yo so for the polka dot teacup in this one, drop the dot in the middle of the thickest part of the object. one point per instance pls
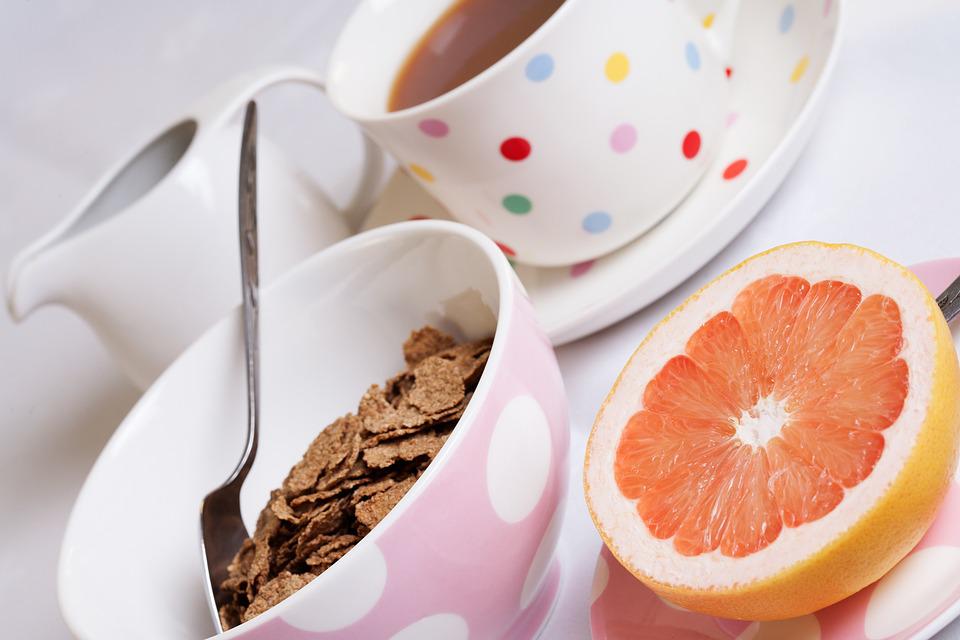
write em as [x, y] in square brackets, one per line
[576, 142]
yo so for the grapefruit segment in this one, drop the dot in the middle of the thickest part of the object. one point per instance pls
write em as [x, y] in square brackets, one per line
[871, 398]
[846, 455]
[700, 531]
[738, 492]
[683, 389]
[783, 438]
[873, 335]
[670, 499]
[654, 445]
[767, 310]
[754, 520]
[721, 349]
[821, 315]
[806, 492]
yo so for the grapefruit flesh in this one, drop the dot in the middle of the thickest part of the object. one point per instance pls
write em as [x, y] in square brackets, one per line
[771, 425]
[761, 406]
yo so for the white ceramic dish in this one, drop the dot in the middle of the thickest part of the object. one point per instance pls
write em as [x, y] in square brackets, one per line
[783, 58]
[484, 516]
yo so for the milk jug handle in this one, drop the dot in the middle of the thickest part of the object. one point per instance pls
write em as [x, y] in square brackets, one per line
[217, 107]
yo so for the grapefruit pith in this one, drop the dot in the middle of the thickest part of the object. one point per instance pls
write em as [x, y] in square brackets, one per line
[783, 438]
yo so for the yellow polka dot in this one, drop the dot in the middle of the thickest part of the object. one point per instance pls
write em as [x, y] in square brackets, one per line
[421, 173]
[800, 69]
[617, 67]
[708, 21]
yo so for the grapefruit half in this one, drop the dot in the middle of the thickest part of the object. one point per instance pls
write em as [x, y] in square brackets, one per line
[783, 438]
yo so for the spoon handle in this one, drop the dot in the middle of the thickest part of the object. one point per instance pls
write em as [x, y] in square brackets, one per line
[949, 300]
[251, 282]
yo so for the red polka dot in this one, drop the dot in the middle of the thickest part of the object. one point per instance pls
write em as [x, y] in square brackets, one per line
[515, 149]
[507, 250]
[419, 217]
[691, 144]
[728, 71]
[580, 268]
[734, 169]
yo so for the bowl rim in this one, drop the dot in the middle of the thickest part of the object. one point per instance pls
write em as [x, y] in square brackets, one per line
[507, 285]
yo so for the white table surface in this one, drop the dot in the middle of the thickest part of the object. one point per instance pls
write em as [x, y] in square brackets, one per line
[85, 80]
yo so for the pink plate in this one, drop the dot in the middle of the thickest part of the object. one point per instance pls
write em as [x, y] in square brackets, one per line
[914, 601]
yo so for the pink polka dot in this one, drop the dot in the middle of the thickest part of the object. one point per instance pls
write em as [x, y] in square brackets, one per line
[580, 268]
[731, 118]
[434, 128]
[623, 138]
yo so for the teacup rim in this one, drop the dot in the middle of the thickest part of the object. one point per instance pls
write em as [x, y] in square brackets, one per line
[506, 287]
[482, 78]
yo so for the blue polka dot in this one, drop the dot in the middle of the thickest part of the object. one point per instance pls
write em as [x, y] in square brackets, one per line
[597, 222]
[540, 67]
[786, 18]
[693, 56]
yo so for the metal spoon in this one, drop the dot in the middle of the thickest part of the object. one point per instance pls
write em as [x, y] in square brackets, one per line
[222, 531]
[949, 300]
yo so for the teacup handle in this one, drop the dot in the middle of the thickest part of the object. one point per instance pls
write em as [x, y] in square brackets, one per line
[217, 107]
[722, 16]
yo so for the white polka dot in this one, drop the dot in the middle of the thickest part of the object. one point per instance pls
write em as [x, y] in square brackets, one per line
[802, 628]
[442, 626]
[541, 559]
[912, 590]
[601, 576]
[345, 592]
[518, 461]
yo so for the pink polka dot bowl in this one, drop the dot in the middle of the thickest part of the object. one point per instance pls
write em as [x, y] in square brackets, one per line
[467, 553]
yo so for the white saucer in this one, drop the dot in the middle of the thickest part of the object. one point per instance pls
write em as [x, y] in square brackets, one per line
[784, 56]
